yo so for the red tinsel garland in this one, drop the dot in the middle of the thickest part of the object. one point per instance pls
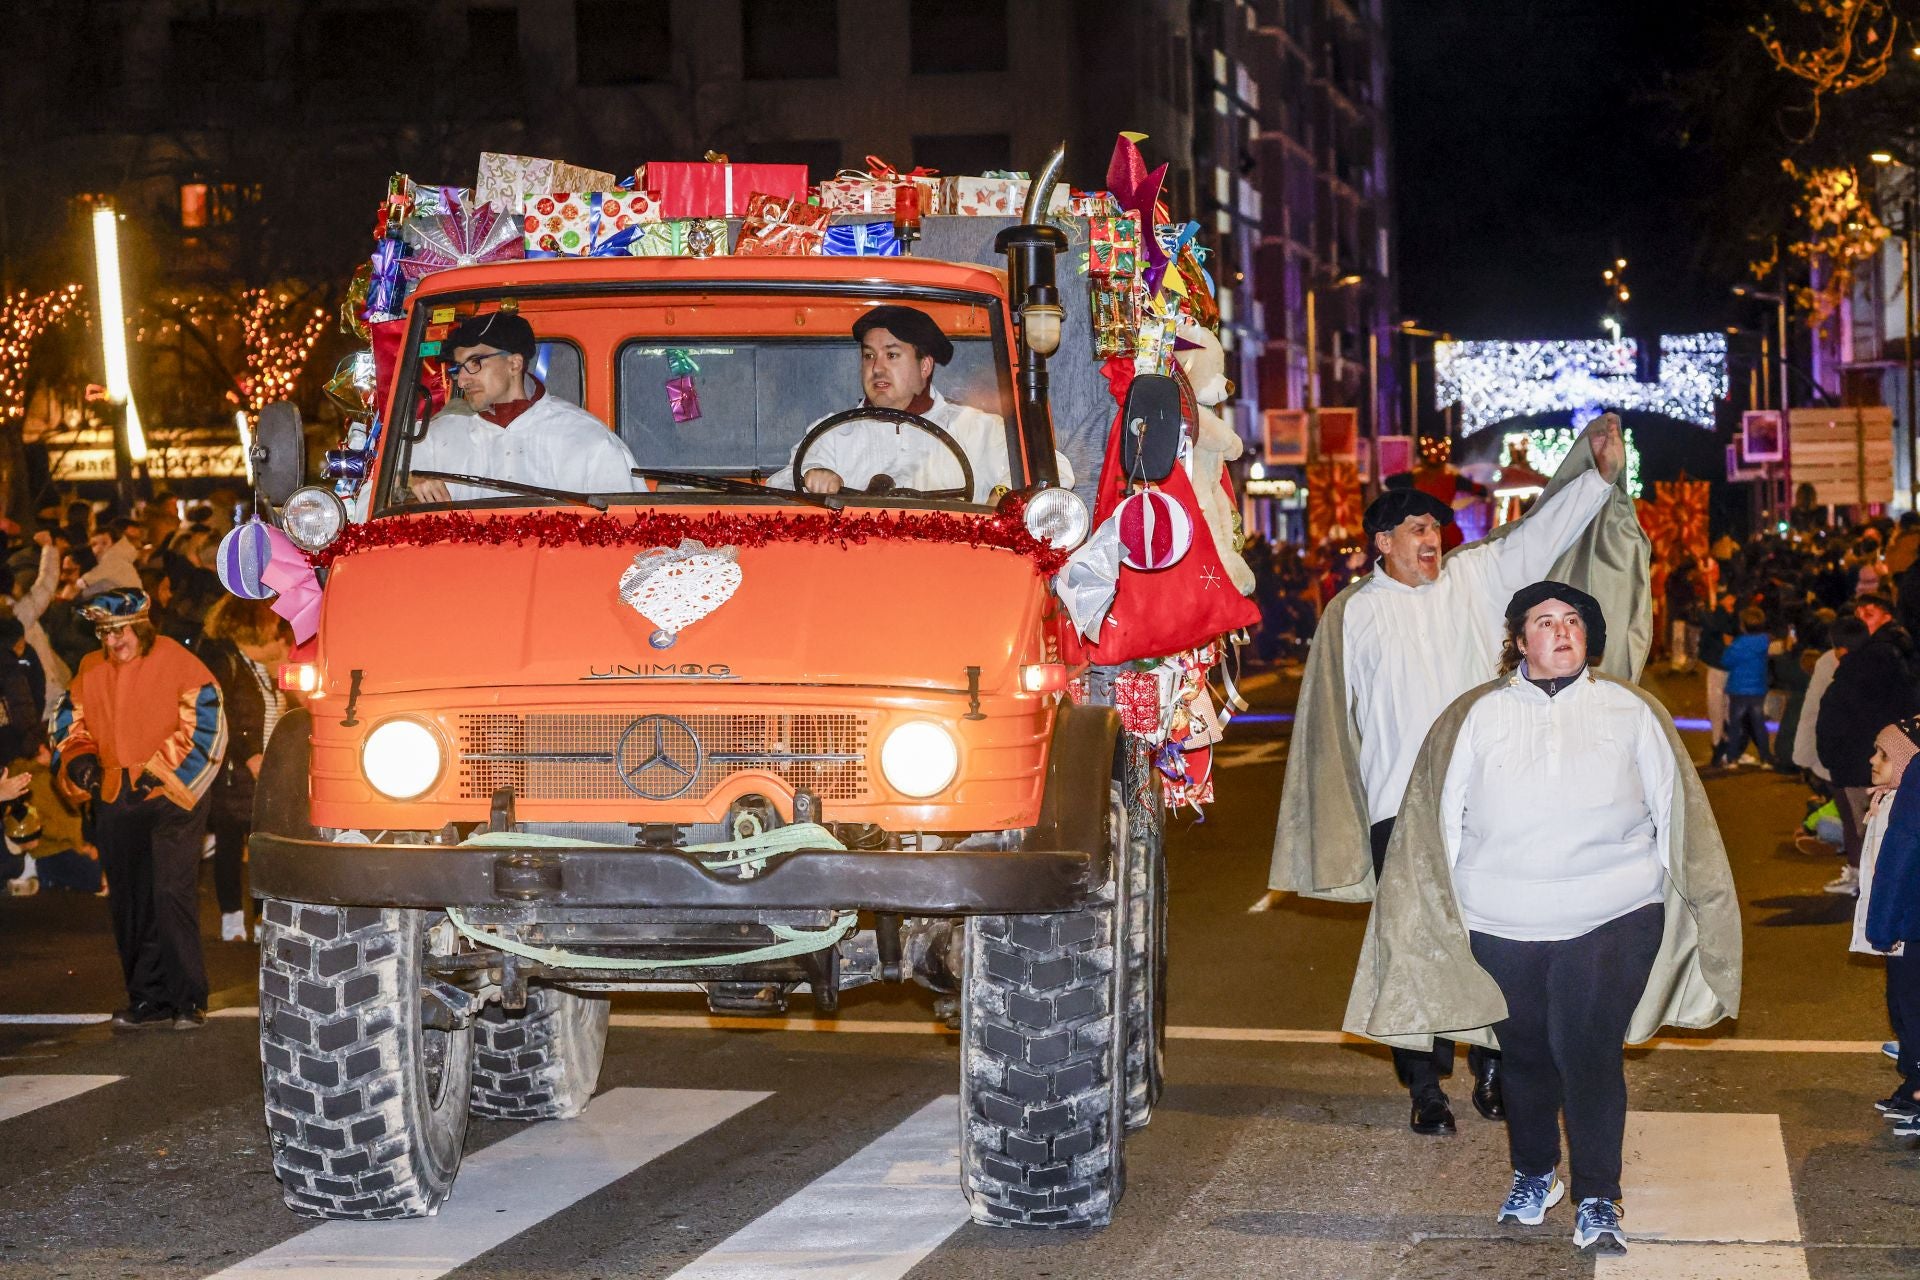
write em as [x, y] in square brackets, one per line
[1004, 530]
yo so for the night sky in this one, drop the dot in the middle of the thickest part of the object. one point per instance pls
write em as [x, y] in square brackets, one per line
[1533, 145]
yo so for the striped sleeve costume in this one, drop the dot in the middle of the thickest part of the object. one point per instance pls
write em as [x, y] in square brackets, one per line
[159, 716]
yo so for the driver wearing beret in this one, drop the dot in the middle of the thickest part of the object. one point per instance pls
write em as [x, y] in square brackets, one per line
[899, 349]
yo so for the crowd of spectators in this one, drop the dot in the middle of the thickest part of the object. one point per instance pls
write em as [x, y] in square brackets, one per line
[165, 548]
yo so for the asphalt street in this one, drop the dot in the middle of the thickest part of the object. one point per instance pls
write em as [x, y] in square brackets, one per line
[721, 1147]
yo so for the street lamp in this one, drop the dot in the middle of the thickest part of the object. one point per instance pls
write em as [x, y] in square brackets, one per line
[130, 441]
[1911, 214]
[1313, 340]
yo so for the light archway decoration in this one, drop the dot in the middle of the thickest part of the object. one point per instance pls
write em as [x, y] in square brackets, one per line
[1494, 381]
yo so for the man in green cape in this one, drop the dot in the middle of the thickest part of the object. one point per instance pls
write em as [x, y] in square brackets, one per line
[1399, 644]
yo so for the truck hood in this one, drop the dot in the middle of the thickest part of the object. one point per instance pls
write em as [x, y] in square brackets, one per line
[904, 614]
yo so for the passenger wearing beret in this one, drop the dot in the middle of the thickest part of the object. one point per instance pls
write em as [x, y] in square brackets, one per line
[899, 349]
[1556, 883]
[516, 431]
[142, 730]
[1391, 652]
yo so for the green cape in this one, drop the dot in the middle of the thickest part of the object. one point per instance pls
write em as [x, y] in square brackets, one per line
[1417, 977]
[1320, 844]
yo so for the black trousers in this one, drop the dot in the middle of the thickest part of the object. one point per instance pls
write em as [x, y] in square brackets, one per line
[1420, 1071]
[229, 852]
[150, 852]
[1903, 1011]
[1568, 1005]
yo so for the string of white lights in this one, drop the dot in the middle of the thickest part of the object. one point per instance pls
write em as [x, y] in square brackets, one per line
[1495, 381]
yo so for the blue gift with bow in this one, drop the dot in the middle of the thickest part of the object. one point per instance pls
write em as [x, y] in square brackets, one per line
[862, 240]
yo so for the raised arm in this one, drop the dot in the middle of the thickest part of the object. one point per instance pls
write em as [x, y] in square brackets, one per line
[1529, 549]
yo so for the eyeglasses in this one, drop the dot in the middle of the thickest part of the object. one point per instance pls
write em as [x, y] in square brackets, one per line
[472, 364]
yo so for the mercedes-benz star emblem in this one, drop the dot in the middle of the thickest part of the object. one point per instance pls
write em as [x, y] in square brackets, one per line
[658, 757]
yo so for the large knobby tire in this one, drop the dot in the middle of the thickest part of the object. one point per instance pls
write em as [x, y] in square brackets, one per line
[1139, 829]
[1042, 1068]
[541, 1063]
[366, 1106]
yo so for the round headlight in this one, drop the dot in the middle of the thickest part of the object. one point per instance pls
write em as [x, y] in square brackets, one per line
[313, 517]
[401, 758]
[919, 759]
[1058, 517]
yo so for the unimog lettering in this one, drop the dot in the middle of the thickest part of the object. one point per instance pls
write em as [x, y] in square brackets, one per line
[662, 671]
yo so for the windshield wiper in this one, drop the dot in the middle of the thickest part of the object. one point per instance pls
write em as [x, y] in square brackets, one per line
[727, 484]
[593, 500]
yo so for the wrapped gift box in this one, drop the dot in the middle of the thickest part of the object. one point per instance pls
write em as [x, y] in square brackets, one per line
[704, 189]
[1113, 250]
[559, 222]
[622, 214]
[586, 224]
[1093, 204]
[1116, 321]
[781, 227]
[853, 192]
[683, 238]
[1136, 696]
[992, 197]
[505, 179]
[862, 240]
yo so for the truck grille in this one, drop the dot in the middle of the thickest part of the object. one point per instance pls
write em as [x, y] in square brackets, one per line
[657, 757]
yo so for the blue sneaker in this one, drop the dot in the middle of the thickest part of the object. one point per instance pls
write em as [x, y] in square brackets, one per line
[1598, 1226]
[1532, 1195]
[1892, 1049]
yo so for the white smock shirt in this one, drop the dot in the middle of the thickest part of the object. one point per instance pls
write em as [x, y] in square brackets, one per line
[1409, 651]
[551, 443]
[1555, 810]
[858, 450]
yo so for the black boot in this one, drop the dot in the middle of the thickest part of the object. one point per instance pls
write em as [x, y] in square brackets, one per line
[1432, 1114]
[1486, 1089]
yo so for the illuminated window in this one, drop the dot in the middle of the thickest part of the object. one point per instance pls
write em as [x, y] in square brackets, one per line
[194, 200]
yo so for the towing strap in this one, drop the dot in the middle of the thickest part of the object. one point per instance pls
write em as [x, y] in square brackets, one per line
[749, 854]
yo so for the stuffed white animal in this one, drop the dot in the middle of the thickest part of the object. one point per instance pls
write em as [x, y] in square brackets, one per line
[1214, 445]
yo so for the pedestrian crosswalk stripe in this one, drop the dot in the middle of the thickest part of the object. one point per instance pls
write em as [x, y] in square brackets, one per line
[1721, 1178]
[1249, 1035]
[23, 1093]
[873, 1217]
[51, 1019]
[506, 1189]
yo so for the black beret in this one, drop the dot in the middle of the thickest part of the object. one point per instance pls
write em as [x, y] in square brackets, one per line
[500, 330]
[1385, 512]
[909, 324]
[1540, 592]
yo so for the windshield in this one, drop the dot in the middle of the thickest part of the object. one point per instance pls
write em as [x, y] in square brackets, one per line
[708, 390]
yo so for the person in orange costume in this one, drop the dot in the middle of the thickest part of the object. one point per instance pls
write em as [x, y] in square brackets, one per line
[142, 731]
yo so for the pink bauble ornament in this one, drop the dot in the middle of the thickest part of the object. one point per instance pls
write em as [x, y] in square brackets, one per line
[1155, 531]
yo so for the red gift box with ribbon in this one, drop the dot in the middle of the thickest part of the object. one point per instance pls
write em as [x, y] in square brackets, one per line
[710, 189]
[777, 227]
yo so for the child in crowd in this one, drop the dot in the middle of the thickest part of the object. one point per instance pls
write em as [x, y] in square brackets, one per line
[1745, 660]
[1887, 918]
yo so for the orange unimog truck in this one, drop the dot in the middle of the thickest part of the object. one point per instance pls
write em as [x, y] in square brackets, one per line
[844, 756]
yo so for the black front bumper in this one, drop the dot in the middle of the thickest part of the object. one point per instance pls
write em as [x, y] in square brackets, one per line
[949, 882]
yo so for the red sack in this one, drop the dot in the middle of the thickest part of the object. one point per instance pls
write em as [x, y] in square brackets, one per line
[1165, 611]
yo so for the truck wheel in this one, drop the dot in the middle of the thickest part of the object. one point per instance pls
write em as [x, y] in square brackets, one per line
[541, 1063]
[1042, 1068]
[1138, 832]
[366, 1104]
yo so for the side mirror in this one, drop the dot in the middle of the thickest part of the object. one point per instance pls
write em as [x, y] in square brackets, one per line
[279, 452]
[1150, 427]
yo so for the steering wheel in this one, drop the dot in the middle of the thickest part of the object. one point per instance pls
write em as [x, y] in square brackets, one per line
[902, 417]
